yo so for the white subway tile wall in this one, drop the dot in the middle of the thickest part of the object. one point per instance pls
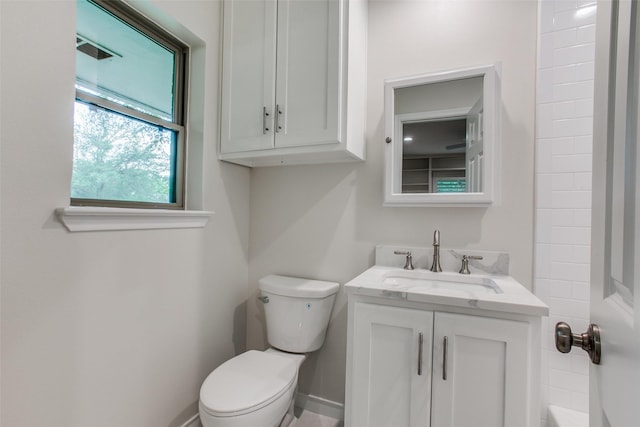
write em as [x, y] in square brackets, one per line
[564, 126]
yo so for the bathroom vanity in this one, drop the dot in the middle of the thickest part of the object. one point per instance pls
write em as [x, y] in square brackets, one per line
[441, 349]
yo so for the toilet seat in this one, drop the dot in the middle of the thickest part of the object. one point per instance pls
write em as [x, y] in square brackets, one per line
[246, 383]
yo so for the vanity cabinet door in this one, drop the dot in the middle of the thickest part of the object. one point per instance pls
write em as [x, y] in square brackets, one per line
[389, 385]
[481, 372]
[248, 75]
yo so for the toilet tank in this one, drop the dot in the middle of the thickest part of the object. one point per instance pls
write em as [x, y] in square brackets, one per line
[297, 311]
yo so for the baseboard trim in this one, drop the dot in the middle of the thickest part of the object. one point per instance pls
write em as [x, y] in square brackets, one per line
[320, 405]
[193, 422]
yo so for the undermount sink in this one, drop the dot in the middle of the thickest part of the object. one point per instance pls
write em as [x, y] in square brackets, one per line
[498, 293]
[436, 282]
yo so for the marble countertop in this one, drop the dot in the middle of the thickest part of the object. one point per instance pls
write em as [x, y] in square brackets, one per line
[478, 291]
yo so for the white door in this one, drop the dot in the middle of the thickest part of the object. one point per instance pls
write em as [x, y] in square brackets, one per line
[480, 372]
[307, 100]
[615, 241]
[391, 367]
[475, 148]
[249, 75]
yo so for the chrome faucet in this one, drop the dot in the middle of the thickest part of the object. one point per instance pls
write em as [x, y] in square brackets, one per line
[435, 266]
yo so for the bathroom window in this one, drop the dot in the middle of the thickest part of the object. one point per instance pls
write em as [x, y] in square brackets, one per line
[129, 135]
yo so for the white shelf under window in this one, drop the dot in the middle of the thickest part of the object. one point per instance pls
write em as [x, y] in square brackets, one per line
[83, 218]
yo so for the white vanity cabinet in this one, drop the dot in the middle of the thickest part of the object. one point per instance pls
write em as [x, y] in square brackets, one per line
[420, 366]
[390, 372]
[293, 81]
[481, 369]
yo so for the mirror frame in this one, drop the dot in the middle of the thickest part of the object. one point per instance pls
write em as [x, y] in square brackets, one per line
[393, 195]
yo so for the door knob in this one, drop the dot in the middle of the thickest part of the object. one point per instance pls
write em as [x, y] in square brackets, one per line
[588, 341]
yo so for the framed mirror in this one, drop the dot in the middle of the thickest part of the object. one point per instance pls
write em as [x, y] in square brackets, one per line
[442, 144]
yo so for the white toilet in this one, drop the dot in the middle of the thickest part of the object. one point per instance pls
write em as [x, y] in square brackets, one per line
[256, 388]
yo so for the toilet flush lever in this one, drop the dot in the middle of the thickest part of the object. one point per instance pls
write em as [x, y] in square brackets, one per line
[264, 299]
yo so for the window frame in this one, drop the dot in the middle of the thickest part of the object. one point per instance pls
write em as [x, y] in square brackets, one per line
[180, 102]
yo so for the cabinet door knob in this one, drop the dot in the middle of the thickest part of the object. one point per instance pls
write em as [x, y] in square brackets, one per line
[588, 341]
[387, 140]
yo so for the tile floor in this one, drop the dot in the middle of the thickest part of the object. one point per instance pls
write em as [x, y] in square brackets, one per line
[310, 419]
[305, 419]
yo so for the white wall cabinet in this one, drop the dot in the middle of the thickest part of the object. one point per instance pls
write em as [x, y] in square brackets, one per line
[471, 370]
[293, 82]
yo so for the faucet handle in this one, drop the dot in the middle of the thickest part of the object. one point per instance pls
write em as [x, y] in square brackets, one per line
[464, 269]
[408, 265]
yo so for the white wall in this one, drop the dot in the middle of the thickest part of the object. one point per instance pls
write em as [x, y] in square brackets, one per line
[102, 323]
[108, 328]
[563, 190]
[324, 221]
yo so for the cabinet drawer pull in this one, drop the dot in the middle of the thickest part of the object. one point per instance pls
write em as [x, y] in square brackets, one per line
[445, 346]
[278, 126]
[420, 341]
[265, 114]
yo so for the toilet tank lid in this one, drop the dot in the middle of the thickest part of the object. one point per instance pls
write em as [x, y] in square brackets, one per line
[297, 287]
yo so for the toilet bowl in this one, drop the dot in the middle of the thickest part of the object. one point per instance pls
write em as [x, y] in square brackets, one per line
[253, 389]
[257, 388]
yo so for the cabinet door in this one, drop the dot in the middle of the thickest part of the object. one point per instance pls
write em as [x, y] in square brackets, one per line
[386, 387]
[248, 75]
[307, 99]
[481, 378]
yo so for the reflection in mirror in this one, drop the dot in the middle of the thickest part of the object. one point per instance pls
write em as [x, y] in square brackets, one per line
[442, 142]
[439, 148]
[433, 156]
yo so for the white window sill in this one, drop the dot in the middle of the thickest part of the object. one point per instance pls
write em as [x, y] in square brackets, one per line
[82, 218]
